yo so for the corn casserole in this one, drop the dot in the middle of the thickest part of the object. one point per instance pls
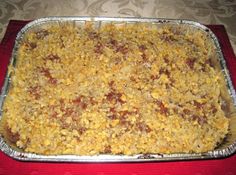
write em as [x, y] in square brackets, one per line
[118, 89]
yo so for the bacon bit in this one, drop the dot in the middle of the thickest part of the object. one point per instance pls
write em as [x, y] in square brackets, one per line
[41, 34]
[162, 107]
[113, 113]
[68, 111]
[143, 127]
[114, 96]
[187, 111]
[166, 37]
[112, 110]
[13, 137]
[82, 130]
[53, 81]
[164, 71]
[54, 114]
[111, 84]
[122, 48]
[79, 101]
[64, 125]
[98, 48]
[198, 105]
[155, 77]
[144, 57]
[125, 113]
[52, 57]
[190, 62]
[47, 74]
[34, 91]
[214, 109]
[112, 116]
[113, 42]
[166, 60]
[83, 105]
[107, 149]
[93, 35]
[142, 48]
[30, 45]
[123, 121]
[201, 120]
[92, 101]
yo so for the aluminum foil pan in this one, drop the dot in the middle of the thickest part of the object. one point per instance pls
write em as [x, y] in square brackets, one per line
[226, 149]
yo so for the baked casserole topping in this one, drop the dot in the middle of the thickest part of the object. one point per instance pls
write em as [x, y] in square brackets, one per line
[120, 89]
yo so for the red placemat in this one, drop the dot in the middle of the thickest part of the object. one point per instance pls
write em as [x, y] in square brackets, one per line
[10, 166]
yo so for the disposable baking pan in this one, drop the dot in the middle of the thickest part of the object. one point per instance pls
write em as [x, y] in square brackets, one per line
[227, 148]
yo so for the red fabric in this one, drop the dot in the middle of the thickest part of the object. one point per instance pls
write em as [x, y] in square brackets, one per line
[10, 166]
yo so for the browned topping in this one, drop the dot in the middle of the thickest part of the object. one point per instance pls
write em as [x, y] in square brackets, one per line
[32, 45]
[209, 62]
[107, 149]
[13, 137]
[52, 57]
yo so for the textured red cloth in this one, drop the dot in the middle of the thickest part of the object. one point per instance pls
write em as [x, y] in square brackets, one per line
[10, 166]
